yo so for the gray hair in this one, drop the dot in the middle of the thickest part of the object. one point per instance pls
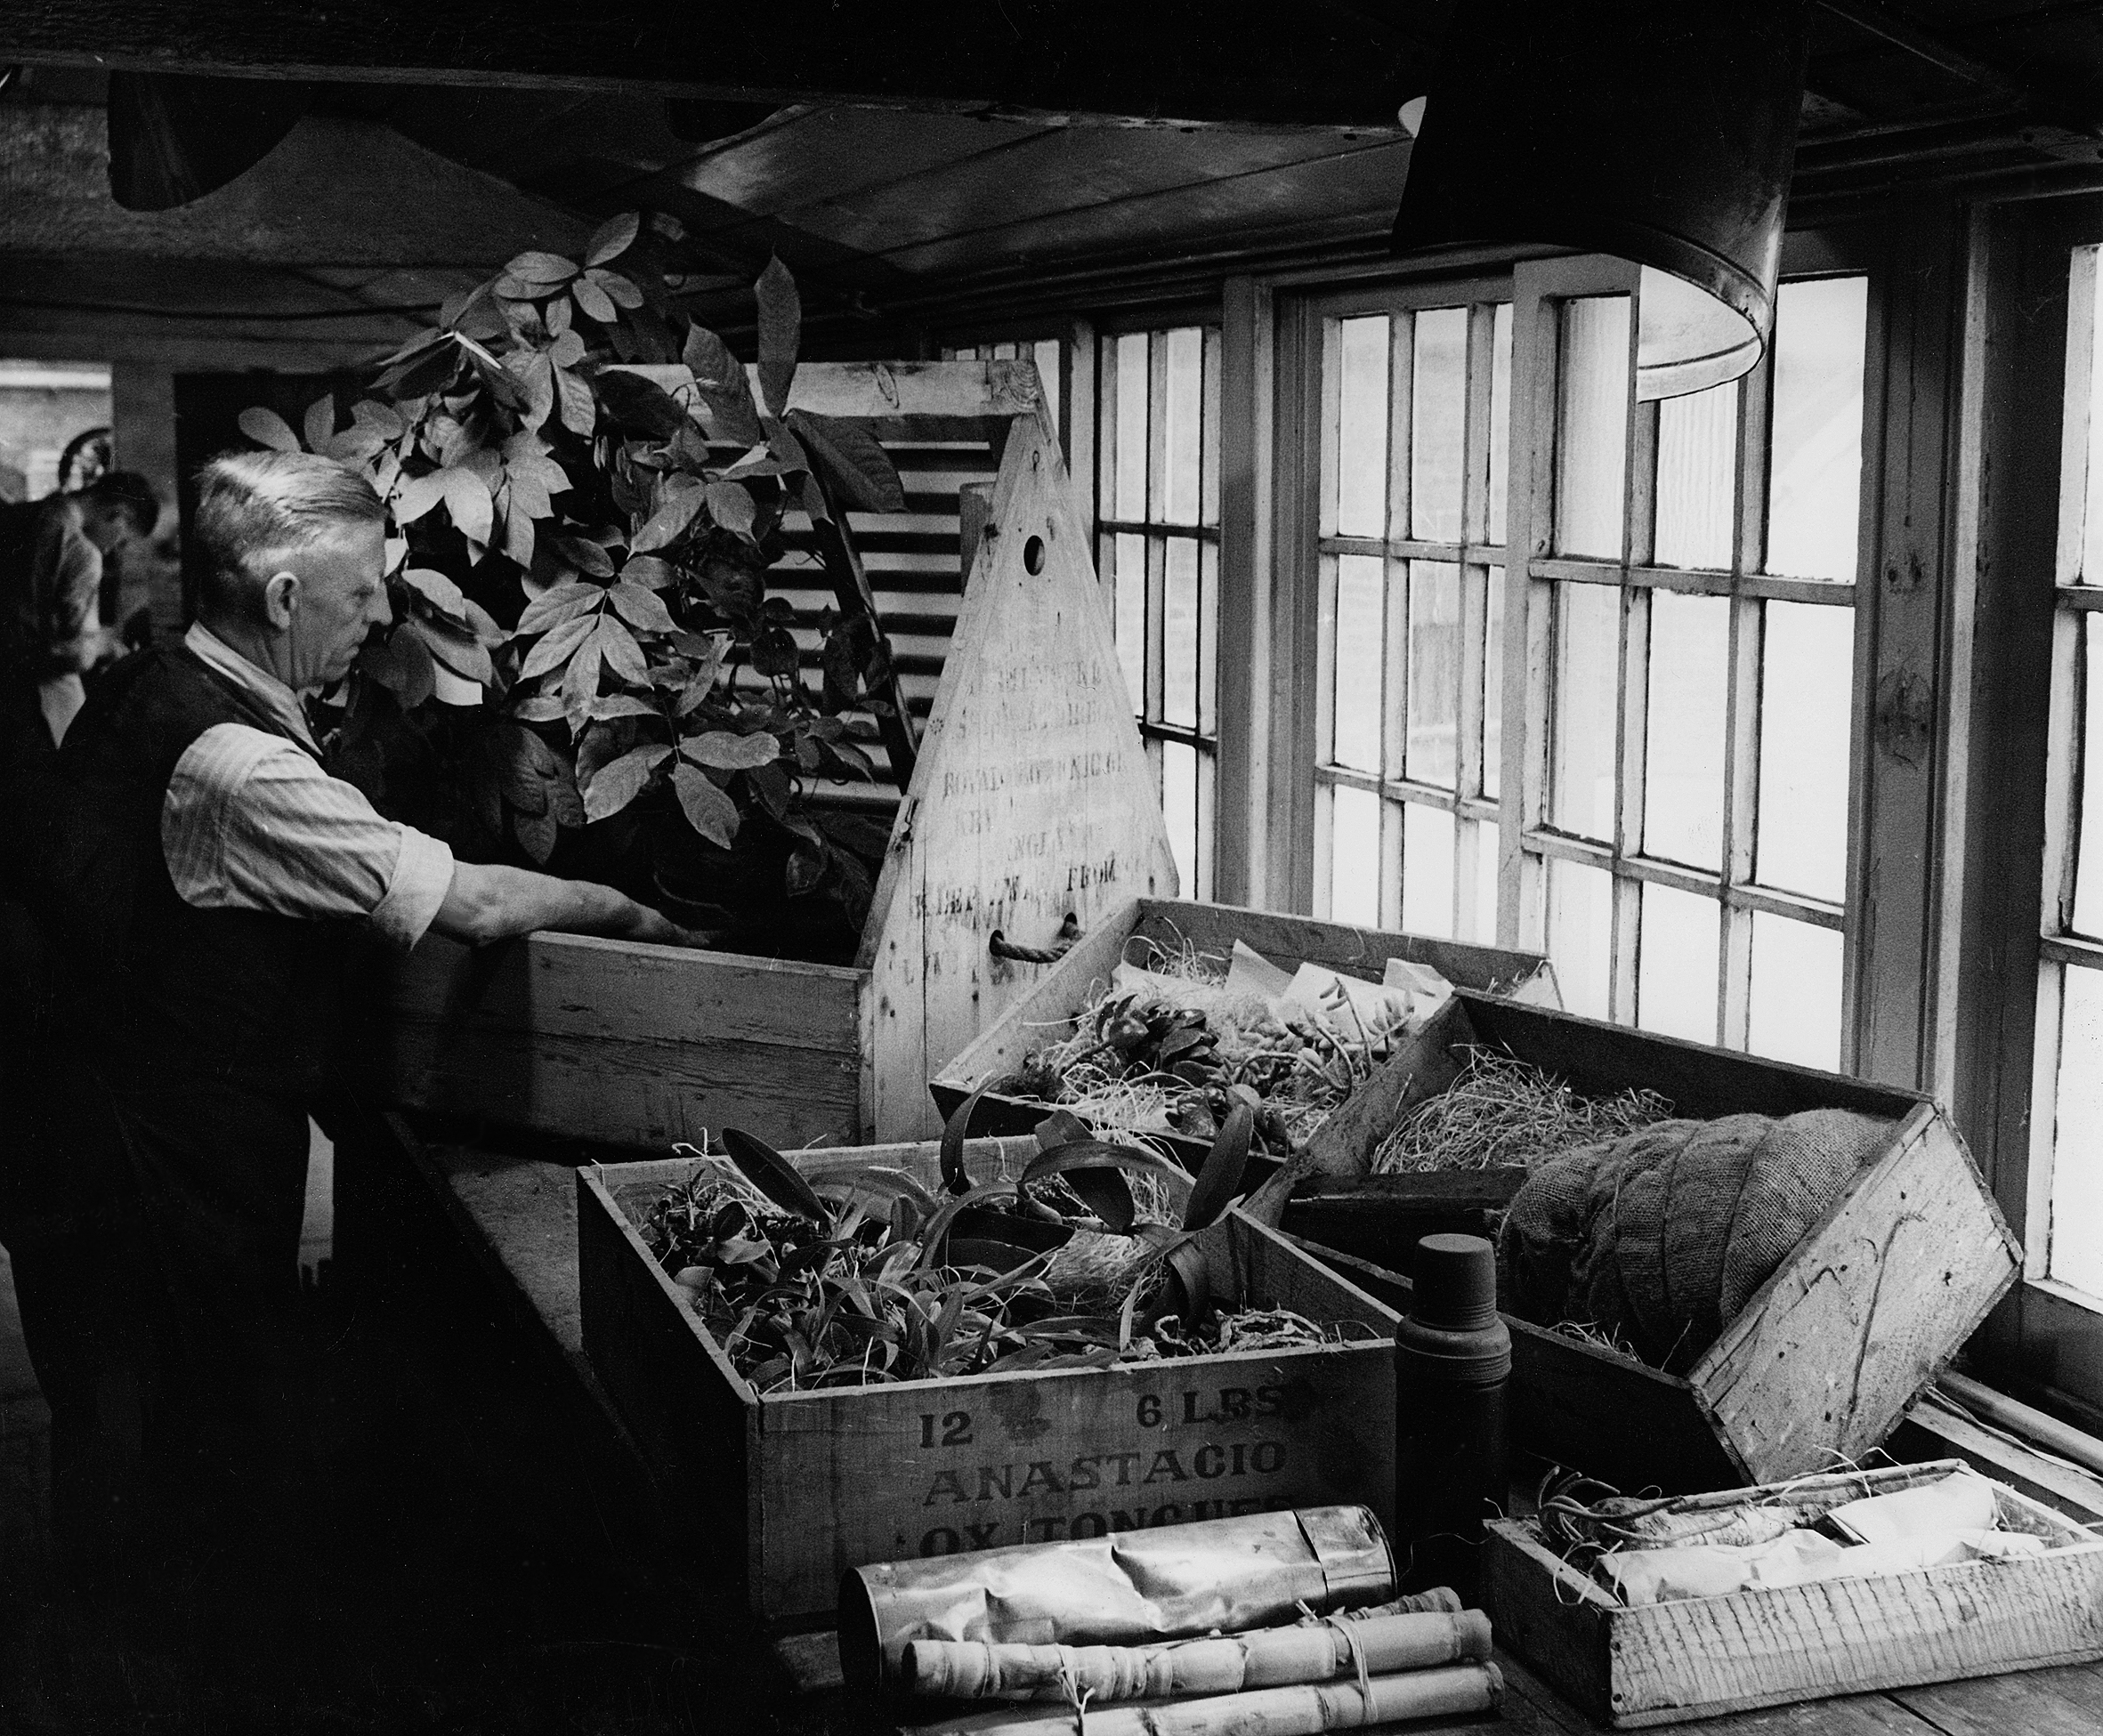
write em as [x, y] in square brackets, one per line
[255, 508]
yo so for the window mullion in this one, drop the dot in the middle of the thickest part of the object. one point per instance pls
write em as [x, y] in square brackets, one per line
[1529, 616]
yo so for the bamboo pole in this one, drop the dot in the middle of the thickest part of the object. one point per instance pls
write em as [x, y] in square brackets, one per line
[1269, 1658]
[1308, 1709]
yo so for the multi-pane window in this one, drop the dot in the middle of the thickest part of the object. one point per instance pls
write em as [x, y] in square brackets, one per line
[1690, 626]
[1415, 415]
[1157, 516]
[2065, 1231]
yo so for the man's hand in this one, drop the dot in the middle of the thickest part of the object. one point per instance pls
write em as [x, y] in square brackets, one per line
[487, 901]
[660, 930]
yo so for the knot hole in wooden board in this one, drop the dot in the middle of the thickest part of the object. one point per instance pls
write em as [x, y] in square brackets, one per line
[1033, 556]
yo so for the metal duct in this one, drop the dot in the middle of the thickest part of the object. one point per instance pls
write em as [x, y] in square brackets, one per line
[1661, 130]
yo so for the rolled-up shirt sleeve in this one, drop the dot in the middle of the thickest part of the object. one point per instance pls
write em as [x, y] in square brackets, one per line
[252, 822]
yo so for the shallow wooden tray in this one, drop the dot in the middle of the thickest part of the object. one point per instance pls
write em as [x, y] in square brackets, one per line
[1698, 1658]
[1051, 1009]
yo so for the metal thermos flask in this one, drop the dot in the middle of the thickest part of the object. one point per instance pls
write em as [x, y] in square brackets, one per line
[1452, 1359]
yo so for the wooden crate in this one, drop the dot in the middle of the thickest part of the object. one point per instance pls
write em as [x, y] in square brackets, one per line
[1827, 1356]
[804, 1486]
[1047, 1013]
[1029, 801]
[1697, 1658]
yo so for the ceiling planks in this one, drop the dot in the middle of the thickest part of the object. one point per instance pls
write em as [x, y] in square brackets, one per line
[1182, 61]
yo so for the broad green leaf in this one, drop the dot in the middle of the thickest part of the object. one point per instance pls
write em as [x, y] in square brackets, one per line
[731, 506]
[723, 385]
[559, 641]
[724, 750]
[640, 405]
[518, 527]
[555, 317]
[781, 333]
[621, 705]
[580, 680]
[648, 569]
[320, 423]
[580, 411]
[560, 603]
[613, 237]
[538, 834]
[567, 350]
[599, 746]
[530, 496]
[483, 626]
[707, 666]
[401, 663]
[623, 655]
[461, 652]
[394, 552]
[438, 590]
[538, 709]
[707, 810]
[615, 786]
[640, 608]
[617, 288]
[673, 518]
[468, 500]
[536, 383]
[383, 419]
[541, 268]
[775, 652]
[415, 496]
[268, 428]
[586, 555]
[593, 303]
[858, 470]
[782, 442]
[563, 802]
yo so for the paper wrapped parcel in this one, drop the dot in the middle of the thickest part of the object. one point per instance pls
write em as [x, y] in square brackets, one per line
[1127, 1588]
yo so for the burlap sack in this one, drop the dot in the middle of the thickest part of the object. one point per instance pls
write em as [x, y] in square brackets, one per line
[1661, 1238]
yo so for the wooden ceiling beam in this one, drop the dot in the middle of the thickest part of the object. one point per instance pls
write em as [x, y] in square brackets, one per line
[1172, 62]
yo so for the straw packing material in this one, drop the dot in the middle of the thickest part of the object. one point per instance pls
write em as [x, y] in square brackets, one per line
[1501, 1112]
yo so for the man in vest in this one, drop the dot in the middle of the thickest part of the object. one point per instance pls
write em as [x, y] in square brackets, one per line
[204, 877]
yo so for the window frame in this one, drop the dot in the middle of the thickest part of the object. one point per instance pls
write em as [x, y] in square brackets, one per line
[2010, 793]
[1207, 539]
[1531, 839]
[1469, 807]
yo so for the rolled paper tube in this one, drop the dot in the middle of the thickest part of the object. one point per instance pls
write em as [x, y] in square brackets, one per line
[1439, 1597]
[1269, 1658]
[1128, 1588]
[1307, 1709]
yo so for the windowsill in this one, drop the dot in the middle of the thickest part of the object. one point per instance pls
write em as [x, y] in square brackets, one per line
[2009, 1439]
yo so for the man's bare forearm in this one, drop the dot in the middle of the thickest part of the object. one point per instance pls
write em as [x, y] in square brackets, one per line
[488, 901]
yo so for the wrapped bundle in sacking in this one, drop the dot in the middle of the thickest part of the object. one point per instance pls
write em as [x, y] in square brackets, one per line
[1230, 1664]
[1131, 1588]
[1308, 1709]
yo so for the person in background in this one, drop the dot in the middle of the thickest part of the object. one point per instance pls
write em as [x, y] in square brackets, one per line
[204, 878]
[58, 558]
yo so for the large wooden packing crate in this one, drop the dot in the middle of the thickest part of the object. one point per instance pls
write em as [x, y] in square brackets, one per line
[803, 1486]
[1698, 1658]
[1047, 1013]
[1030, 803]
[1821, 1363]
